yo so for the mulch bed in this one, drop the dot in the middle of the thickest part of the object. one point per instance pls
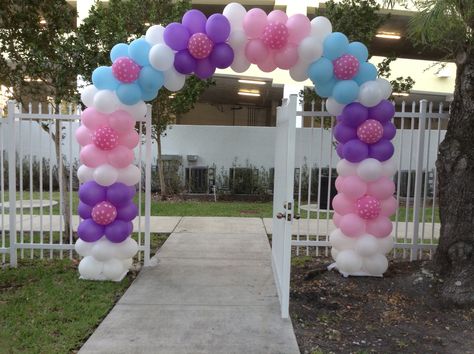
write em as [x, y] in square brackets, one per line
[400, 313]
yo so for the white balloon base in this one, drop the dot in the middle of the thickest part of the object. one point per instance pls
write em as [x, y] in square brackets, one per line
[354, 274]
[102, 277]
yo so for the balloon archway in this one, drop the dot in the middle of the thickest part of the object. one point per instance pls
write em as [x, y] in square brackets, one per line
[237, 38]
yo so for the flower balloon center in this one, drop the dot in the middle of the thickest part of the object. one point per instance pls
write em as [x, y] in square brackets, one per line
[104, 213]
[125, 70]
[105, 138]
[200, 45]
[368, 207]
[346, 67]
[370, 131]
[275, 35]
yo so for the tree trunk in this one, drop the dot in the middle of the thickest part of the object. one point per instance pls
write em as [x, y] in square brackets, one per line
[160, 166]
[454, 257]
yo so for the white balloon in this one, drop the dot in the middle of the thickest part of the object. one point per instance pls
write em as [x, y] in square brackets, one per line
[366, 245]
[389, 168]
[333, 107]
[346, 168]
[348, 262]
[299, 72]
[90, 268]
[114, 269]
[385, 244]
[83, 248]
[334, 253]
[320, 27]
[161, 57]
[240, 63]
[106, 101]
[369, 170]
[385, 87]
[85, 173]
[235, 13]
[370, 94]
[154, 34]
[87, 95]
[127, 263]
[341, 241]
[103, 250]
[375, 265]
[105, 175]
[237, 39]
[174, 81]
[127, 249]
[310, 49]
[138, 110]
[129, 175]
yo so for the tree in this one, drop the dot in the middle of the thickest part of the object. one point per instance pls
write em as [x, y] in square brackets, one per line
[37, 61]
[119, 21]
[448, 25]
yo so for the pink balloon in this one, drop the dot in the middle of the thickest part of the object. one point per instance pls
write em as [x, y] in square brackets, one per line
[336, 219]
[381, 188]
[93, 119]
[368, 207]
[105, 138]
[299, 27]
[121, 121]
[83, 136]
[339, 181]
[92, 156]
[343, 205]
[380, 227]
[130, 140]
[120, 157]
[389, 206]
[200, 45]
[254, 22]
[353, 187]
[104, 213]
[268, 65]
[370, 131]
[256, 51]
[277, 16]
[346, 67]
[352, 225]
[275, 35]
[287, 57]
[125, 70]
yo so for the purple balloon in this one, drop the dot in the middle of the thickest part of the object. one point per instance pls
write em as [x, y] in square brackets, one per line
[343, 133]
[222, 55]
[355, 150]
[195, 21]
[127, 212]
[354, 114]
[84, 210]
[339, 148]
[218, 28]
[381, 150]
[184, 62]
[92, 193]
[389, 131]
[382, 112]
[204, 69]
[119, 194]
[118, 231]
[89, 231]
[176, 36]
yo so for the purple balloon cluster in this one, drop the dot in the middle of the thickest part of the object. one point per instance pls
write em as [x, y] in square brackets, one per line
[200, 43]
[365, 132]
[119, 198]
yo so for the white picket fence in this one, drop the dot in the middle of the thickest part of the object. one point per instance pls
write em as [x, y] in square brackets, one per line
[32, 208]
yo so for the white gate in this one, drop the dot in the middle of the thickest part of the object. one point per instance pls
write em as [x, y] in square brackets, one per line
[283, 203]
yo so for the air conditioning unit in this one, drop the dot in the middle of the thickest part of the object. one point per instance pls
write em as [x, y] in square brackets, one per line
[192, 158]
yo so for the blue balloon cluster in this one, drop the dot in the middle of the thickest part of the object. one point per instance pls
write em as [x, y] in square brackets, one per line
[321, 72]
[146, 85]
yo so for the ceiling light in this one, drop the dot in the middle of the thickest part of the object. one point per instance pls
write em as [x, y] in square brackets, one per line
[43, 21]
[147, 23]
[253, 93]
[400, 94]
[252, 82]
[388, 35]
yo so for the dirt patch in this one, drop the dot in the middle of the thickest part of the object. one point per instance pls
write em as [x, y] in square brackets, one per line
[400, 313]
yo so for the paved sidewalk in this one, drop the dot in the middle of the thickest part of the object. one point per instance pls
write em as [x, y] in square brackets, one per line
[211, 291]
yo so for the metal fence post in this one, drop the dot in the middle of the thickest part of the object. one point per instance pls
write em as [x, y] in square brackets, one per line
[12, 182]
[147, 184]
[418, 179]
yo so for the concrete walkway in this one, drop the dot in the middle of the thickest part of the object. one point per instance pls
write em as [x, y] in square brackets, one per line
[211, 291]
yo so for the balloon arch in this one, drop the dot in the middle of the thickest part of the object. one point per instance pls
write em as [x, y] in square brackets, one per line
[237, 38]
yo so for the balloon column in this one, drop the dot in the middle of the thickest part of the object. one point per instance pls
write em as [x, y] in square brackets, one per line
[236, 38]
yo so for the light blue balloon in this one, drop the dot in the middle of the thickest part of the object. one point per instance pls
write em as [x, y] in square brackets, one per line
[359, 50]
[367, 72]
[150, 79]
[104, 79]
[119, 50]
[335, 45]
[325, 89]
[346, 91]
[129, 94]
[138, 50]
[321, 71]
[149, 95]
